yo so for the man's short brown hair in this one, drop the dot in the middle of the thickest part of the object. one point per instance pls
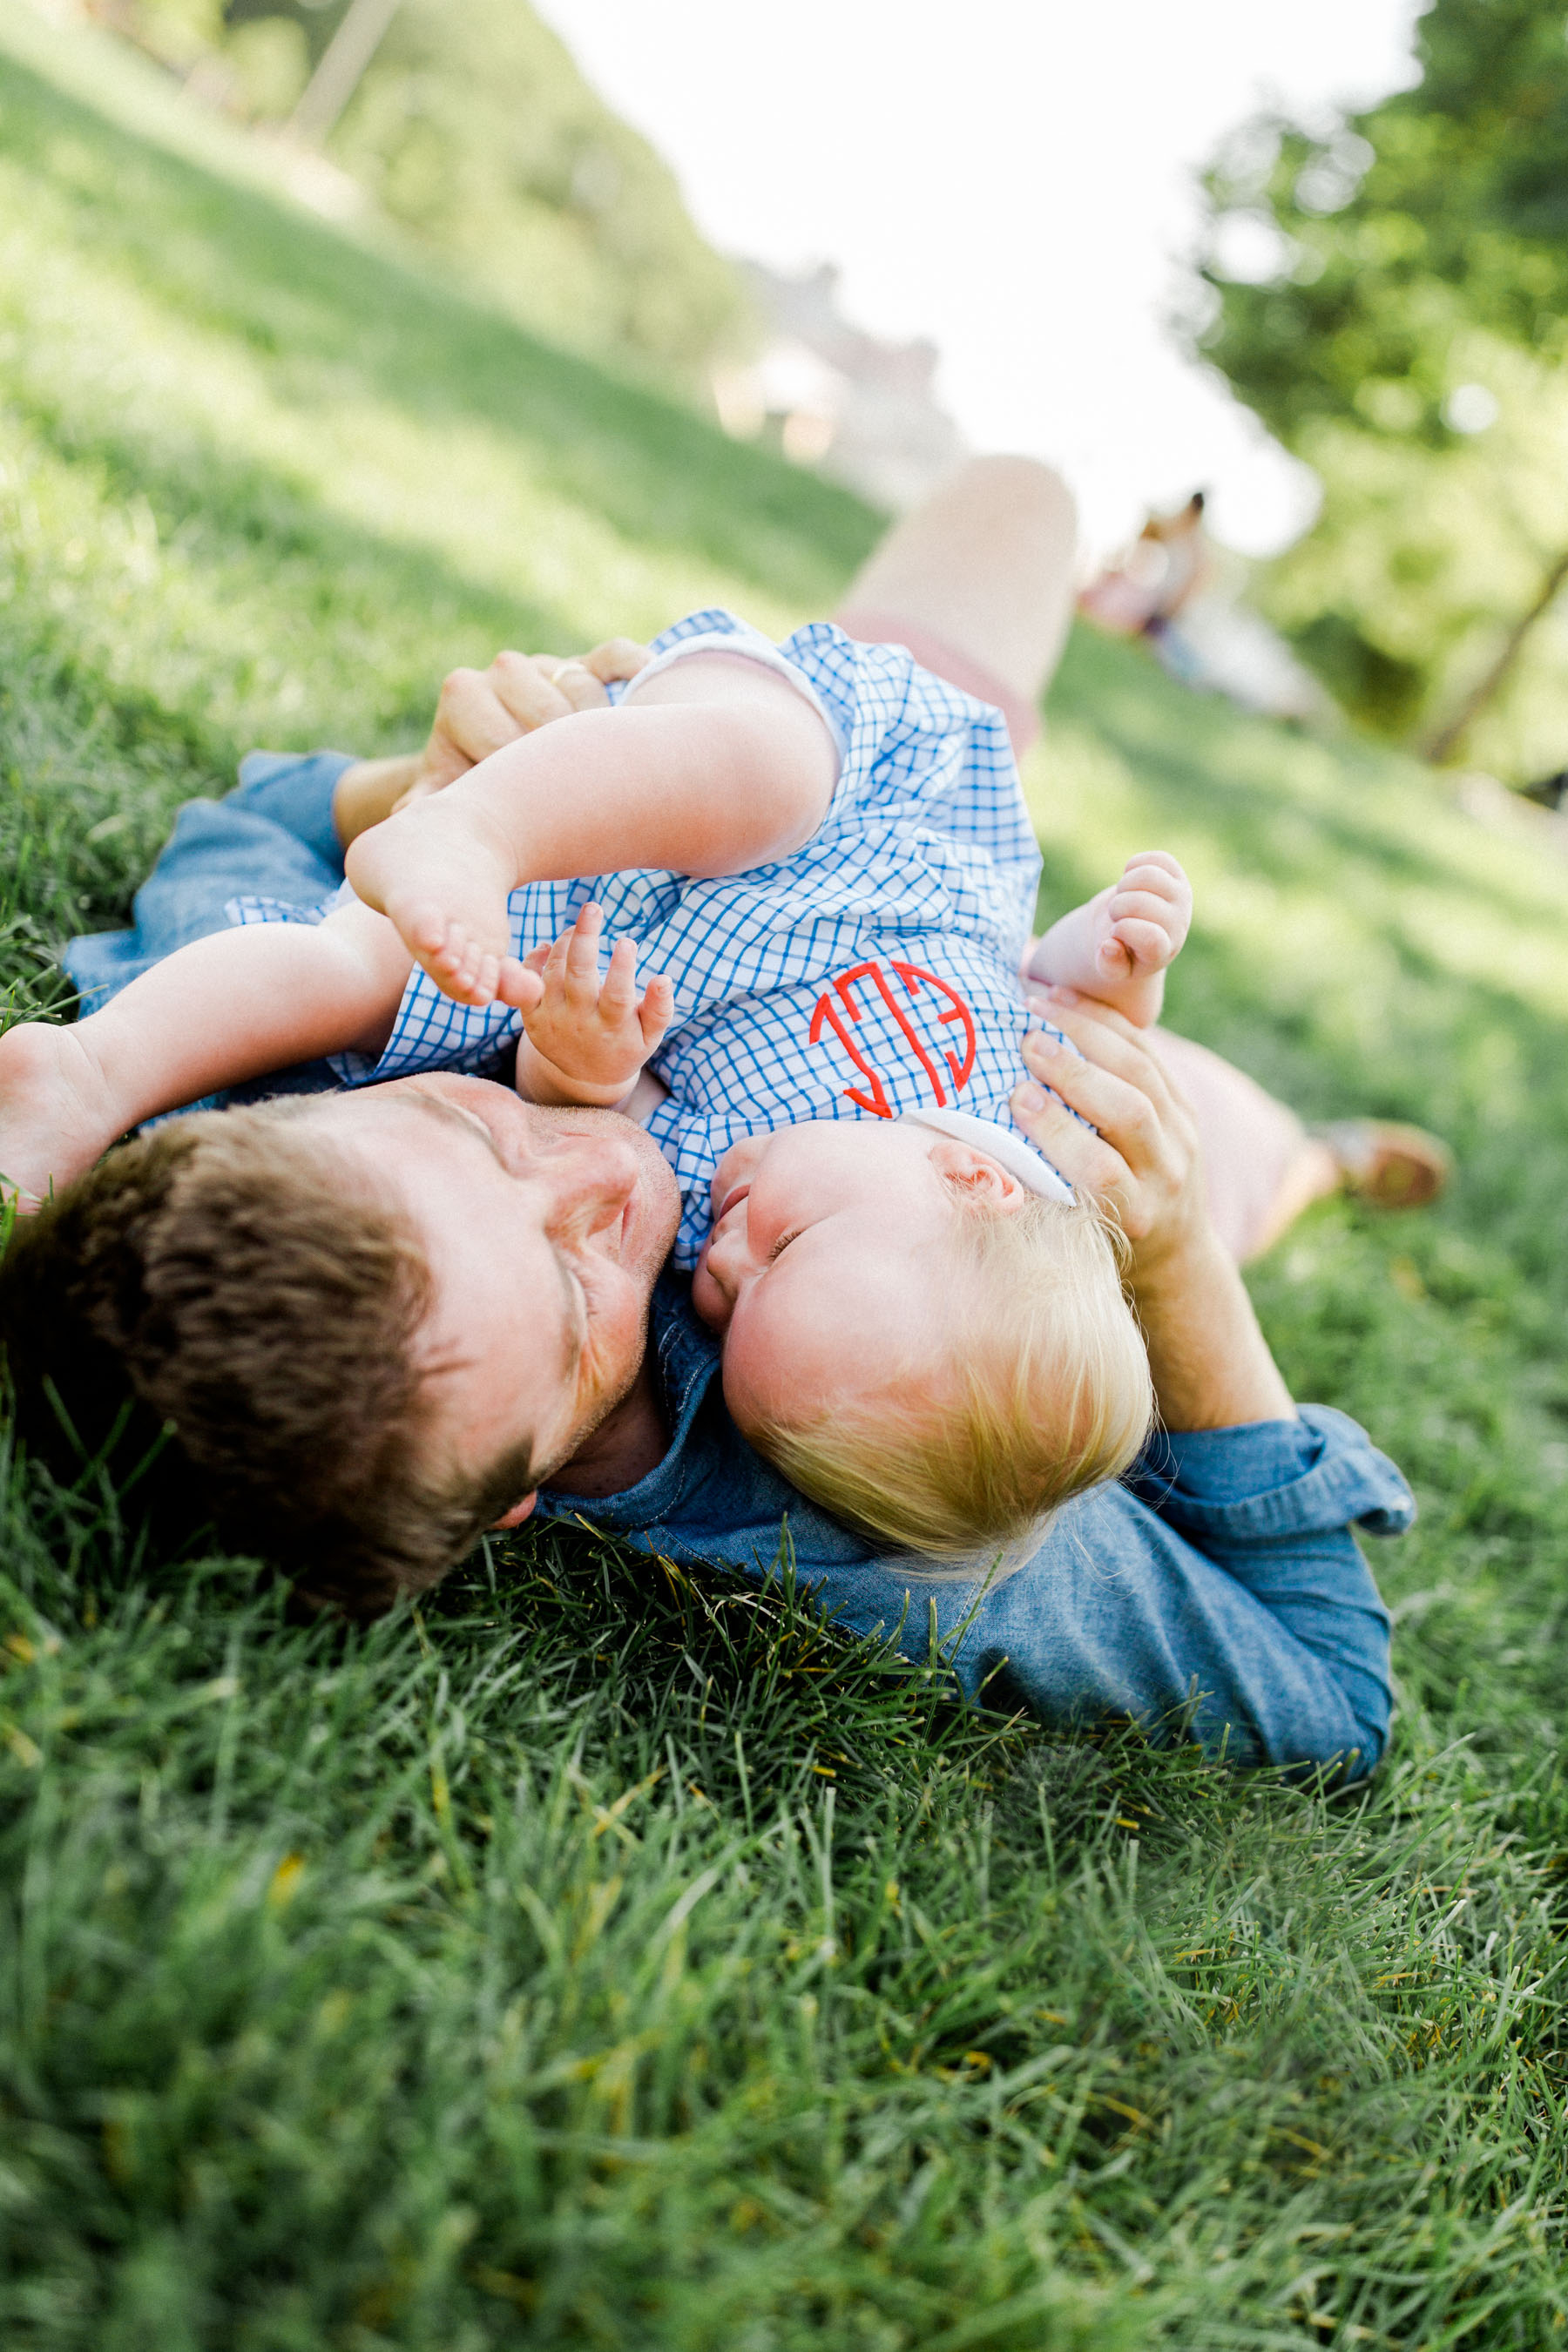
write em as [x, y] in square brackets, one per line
[224, 1284]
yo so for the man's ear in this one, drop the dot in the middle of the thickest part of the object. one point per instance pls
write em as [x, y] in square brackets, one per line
[518, 1512]
[975, 1178]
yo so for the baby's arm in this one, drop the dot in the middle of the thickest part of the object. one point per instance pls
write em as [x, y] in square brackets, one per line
[1116, 947]
[229, 1007]
[719, 764]
[585, 1041]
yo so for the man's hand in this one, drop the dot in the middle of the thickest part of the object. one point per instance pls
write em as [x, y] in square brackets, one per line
[586, 1040]
[478, 712]
[1211, 1365]
[481, 710]
[1140, 1153]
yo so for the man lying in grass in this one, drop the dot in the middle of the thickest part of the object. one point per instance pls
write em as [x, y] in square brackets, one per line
[358, 1393]
[920, 1325]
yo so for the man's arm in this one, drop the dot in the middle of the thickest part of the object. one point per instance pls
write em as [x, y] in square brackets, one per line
[1223, 1598]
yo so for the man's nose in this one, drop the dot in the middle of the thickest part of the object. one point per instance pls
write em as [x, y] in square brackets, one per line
[729, 1255]
[590, 1179]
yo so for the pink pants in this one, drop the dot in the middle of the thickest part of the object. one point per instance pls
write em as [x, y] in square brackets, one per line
[1249, 1141]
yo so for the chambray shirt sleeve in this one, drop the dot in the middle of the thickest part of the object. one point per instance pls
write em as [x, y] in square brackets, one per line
[1228, 1601]
[1272, 1504]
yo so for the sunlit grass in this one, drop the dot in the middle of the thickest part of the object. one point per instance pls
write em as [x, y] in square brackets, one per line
[602, 1957]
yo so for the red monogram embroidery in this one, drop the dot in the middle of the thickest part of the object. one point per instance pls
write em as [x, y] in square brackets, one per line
[838, 1016]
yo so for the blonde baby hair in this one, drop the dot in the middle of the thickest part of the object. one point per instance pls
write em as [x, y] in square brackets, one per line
[1044, 1389]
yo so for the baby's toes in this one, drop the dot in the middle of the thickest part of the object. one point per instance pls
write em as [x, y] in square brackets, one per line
[473, 982]
[519, 984]
[1148, 946]
[424, 927]
[446, 953]
[1146, 907]
[457, 964]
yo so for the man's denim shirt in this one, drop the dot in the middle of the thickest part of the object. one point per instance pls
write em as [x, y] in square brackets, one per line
[1218, 1585]
[1220, 1576]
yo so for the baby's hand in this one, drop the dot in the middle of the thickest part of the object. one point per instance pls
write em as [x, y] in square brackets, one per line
[1142, 921]
[584, 1040]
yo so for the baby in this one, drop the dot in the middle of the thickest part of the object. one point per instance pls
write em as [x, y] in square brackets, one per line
[825, 855]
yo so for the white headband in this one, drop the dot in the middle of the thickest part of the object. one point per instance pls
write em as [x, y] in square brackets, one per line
[1010, 1151]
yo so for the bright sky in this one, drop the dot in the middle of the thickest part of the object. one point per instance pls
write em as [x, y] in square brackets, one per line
[1013, 179]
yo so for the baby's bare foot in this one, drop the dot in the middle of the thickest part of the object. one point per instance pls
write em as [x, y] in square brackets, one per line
[443, 884]
[55, 1116]
[1142, 923]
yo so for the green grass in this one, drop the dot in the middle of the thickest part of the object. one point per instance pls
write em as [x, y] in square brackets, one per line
[598, 1957]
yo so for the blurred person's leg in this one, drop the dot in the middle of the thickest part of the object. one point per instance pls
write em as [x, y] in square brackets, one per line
[978, 583]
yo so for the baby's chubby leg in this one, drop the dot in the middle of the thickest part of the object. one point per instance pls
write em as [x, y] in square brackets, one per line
[718, 767]
[1116, 947]
[232, 1006]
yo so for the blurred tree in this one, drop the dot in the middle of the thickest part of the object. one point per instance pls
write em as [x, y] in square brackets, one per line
[1390, 293]
[472, 127]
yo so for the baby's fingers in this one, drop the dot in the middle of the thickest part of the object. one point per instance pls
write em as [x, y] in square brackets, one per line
[549, 963]
[582, 978]
[1149, 906]
[1156, 879]
[656, 1009]
[619, 992]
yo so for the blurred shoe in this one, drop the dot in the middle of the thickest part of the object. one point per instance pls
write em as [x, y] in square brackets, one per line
[1551, 793]
[1391, 1165]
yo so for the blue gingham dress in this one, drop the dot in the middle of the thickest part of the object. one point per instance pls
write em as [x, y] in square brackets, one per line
[870, 972]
